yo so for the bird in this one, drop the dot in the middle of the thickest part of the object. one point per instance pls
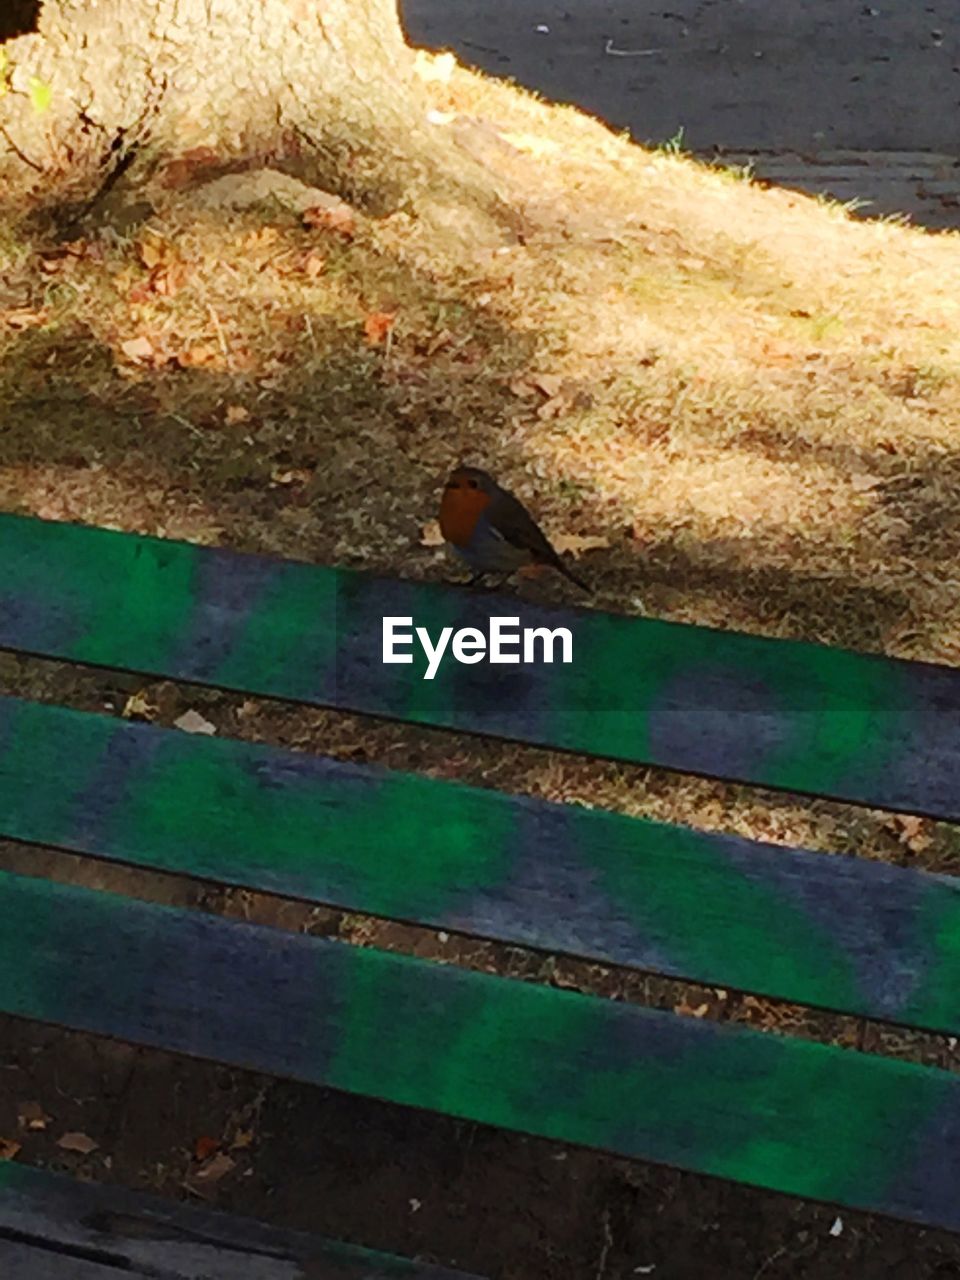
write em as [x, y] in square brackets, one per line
[490, 529]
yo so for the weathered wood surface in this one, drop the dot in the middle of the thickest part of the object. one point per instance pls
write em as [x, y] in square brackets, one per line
[789, 715]
[24, 1262]
[73, 1230]
[841, 933]
[795, 1116]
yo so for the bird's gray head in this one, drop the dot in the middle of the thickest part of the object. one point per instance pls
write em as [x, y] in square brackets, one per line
[472, 478]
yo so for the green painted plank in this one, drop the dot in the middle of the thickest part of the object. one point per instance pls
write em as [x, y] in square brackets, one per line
[790, 1115]
[782, 714]
[64, 1225]
[841, 933]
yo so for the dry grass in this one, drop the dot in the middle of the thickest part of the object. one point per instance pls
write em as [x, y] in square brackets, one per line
[749, 398]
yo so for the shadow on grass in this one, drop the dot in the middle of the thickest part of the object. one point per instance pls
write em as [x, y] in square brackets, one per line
[265, 414]
[302, 415]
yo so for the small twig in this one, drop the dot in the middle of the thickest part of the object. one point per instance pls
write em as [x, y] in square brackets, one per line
[773, 1257]
[275, 258]
[629, 53]
[219, 328]
[185, 422]
[20, 154]
[310, 333]
[607, 1245]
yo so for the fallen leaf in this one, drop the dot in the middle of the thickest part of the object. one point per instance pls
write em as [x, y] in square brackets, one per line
[8, 1148]
[242, 1140]
[205, 1146]
[138, 349]
[293, 476]
[909, 826]
[554, 407]
[123, 279]
[30, 1115]
[79, 1142]
[913, 833]
[692, 1011]
[168, 279]
[773, 353]
[215, 1168]
[236, 414]
[66, 255]
[523, 387]
[314, 265]
[197, 356]
[377, 325]
[577, 543]
[339, 219]
[563, 394]
[152, 250]
[193, 722]
[23, 318]
[138, 707]
[261, 239]
[430, 535]
[549, 383]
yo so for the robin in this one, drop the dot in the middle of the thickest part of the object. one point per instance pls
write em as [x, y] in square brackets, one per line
[491, 529]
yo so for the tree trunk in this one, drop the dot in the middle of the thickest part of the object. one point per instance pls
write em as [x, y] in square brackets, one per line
[107, 85]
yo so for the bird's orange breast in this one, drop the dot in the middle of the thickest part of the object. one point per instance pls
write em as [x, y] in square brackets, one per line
[460, 509]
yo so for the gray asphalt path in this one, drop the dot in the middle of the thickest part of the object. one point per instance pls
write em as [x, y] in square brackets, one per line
[804, 75]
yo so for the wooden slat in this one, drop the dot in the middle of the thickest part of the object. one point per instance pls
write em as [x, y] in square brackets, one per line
[795, 1116]
[24, 1262]
[841, 933]
[66, 1224]
[781, 714]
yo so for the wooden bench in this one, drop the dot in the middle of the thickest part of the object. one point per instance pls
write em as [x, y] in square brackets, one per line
[56, 1228]
[837, 933]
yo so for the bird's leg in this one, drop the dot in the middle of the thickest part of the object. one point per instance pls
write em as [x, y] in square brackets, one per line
[478, 580]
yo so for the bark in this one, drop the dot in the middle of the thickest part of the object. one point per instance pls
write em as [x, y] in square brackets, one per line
[104, 84]
[17, 17]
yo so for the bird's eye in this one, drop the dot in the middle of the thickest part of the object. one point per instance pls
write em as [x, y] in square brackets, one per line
[472, 483]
